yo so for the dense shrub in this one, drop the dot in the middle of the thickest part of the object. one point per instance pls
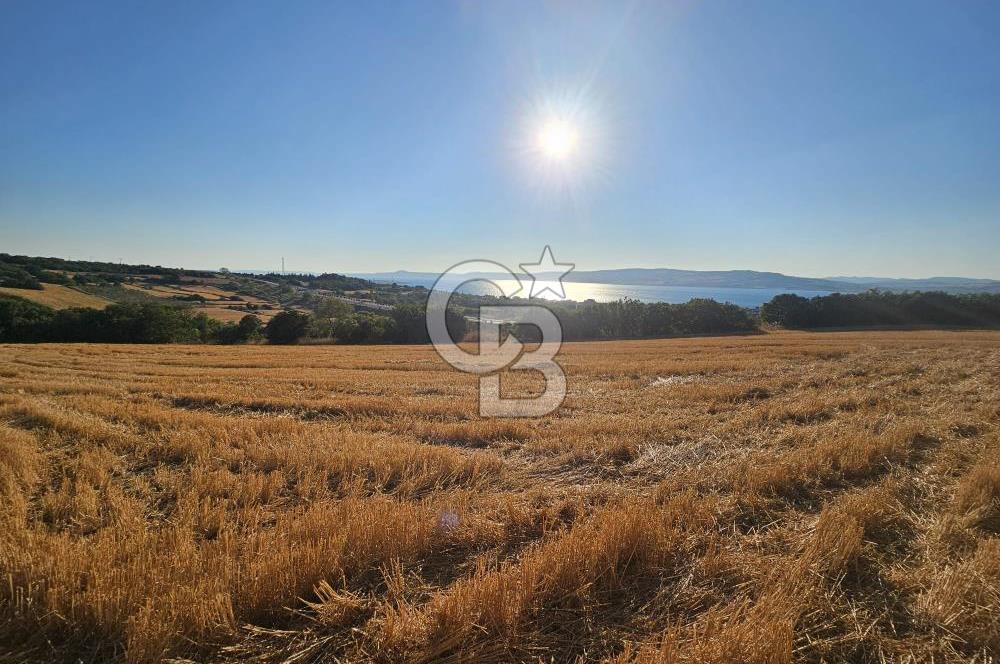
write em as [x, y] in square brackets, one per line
[127, 323]
[411, 324]
[19, 318]
[328, 307]
[320, 327]
[787, 310]
[12, 276]
[237, 333]
[365, 328]
[287, 327]
[47, 277]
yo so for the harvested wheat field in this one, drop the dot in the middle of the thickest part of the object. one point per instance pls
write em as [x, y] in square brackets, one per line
[227, 315]
[58, 297]
[778, 498]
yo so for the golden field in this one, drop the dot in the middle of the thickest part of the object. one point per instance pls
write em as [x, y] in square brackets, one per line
[58, 297]
[775, 498]
[216, 304]
[225, 314]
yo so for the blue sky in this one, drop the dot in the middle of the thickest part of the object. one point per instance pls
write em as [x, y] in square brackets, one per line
[811, 138]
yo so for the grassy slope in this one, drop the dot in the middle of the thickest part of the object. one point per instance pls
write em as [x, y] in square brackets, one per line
[227, 315]
[58, 297]
[824, 496]
[215, 305]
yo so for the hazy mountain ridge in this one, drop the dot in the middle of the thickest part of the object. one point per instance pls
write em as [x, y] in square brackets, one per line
[708, 279]
[951, 284]
[733, 279]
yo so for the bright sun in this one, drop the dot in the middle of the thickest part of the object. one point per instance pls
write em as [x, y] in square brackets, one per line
[557, 140]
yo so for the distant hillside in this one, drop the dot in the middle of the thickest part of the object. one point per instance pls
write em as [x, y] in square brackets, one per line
[653, 277]
[221, 295]
[947, 284]
[58, 296]
[708, 279]
[727, 279]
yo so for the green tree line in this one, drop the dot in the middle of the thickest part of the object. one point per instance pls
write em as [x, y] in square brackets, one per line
[32, 263]
[883, 309]
[629, 319]
[28, 276]
[22, 321]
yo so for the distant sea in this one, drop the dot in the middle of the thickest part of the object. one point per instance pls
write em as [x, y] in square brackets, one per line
[580, 291]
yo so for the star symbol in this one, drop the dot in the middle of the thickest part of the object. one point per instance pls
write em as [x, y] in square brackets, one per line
[544, 275]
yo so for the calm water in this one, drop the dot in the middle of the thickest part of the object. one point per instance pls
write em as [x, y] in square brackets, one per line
[580, 291]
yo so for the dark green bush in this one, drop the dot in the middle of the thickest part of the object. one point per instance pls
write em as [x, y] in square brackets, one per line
[237, 333]
[365, 328]
[287, 327]
[12, 276]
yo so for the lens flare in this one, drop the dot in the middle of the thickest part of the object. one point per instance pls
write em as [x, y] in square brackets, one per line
[557, 139]
[560, 144]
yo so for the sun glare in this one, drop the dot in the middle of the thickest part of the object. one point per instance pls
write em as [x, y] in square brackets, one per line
[560, 145]
[557, 140]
